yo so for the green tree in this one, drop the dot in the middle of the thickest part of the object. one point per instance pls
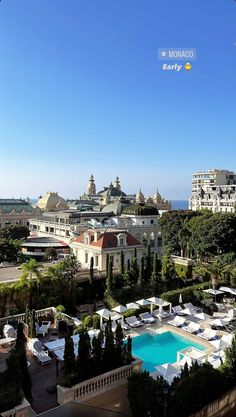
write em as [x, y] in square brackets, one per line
[9, 250]
[230, 360]
[91, 271]
[30, 271]
[119, 346]
[109, 280]
[142, 395]
[84, 355]
[20, 350]
[215, 270]
[168, 268]
[135, 264]
[16, 232]
[154, 276]
[148, 263]
[97, 353]
[122, 268]
[109, 348]
[69, 356]
[141, 278]
[50, 253]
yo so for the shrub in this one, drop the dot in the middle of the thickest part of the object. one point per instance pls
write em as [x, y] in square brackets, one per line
[88, 321]
[96, 321]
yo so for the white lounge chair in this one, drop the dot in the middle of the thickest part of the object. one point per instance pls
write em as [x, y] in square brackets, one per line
[177, 309]
[192, 307]
[177, 321]
[156, 312]
[35, 346]
[208, 334]
[147, 318]
[133, 321]
[43, 329]
[7, 341]
[192, 327]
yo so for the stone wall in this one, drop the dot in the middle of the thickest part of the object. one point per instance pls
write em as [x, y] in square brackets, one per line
[223, 407]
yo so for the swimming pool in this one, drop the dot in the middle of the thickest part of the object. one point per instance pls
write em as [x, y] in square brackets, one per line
[156, 349]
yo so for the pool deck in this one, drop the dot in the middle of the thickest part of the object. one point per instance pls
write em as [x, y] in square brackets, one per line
[161, 327]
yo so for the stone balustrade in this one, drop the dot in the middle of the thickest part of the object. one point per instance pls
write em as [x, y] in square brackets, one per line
[222, 407]
[20, 317]
[22, 410]
[95, 386]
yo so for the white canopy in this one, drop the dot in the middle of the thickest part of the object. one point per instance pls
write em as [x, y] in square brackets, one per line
[221, 322]
[119, 309]
[168, 371]
[132, 306]
[143, 302]
[229, 290]
[228, 338]
[213, 292]
[189, 311]
[107, 314]
[193, 353]
[202, 316]
[219, 344]
[153, 300]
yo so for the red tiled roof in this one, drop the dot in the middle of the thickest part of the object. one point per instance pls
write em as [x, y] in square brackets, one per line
[109, 240]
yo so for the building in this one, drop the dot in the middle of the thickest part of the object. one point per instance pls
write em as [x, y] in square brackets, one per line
[16, 211]
[51, 201]
[212, 177]
[97, 244]
[37, 247]
[214, 190]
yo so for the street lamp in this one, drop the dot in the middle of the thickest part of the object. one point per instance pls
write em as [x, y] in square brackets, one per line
[162, 395]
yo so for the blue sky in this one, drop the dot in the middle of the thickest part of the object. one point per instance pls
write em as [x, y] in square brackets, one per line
[82, 91]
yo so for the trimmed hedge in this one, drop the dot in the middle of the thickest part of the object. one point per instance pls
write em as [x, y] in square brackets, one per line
[187, 293]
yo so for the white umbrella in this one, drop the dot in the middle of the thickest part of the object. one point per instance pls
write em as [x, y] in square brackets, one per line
[188, 311]
[219, 344]
[132, 306]
[180, 299]
[143, 302]
[202, 316]
[228, 338]
[213, 292]
[104, 313]
[221, 322]
[167, 371]
[229, 290]
[120, 309]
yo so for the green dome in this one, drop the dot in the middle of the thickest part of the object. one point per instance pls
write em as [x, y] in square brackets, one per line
[141, 210]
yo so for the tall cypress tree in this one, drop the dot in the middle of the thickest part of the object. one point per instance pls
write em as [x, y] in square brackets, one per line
[119, 337]
[107, 264]
[109, 280]
[122, 267]
[20, 350]
[97, 353]
[69, 355]
[154, 276]
[135, 264]
[84, 355]
[91, 271]
[148, 262]
[141, 281]
[109, 348]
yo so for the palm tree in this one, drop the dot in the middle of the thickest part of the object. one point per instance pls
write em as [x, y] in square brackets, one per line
[30, 271]
[216, 270]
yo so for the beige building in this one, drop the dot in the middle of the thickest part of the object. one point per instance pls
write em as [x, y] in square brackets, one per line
[214, 190]
[16, 211]
[97, 244]
[51, 201]
[211, 178]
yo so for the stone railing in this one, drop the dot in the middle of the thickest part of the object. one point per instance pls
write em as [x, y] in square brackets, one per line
[95, 386]
[20, 317]
[222, 407]
[22, 410]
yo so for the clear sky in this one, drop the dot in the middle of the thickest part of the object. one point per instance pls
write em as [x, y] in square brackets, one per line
[82, 91]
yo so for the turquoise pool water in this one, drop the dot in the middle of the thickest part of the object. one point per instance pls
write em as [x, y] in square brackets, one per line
[156, 349]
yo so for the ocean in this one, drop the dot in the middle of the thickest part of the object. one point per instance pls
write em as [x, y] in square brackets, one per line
[179, 204]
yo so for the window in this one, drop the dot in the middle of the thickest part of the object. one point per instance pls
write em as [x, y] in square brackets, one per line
[86, 257]
[96, 260]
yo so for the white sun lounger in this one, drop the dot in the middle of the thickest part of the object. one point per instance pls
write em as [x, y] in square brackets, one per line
[192, 327]
[177, 321]
[133, 321]
[177, 309]
[43, 329]
[192, 307]
[147, 318]
[7, 341]
[208, 334]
